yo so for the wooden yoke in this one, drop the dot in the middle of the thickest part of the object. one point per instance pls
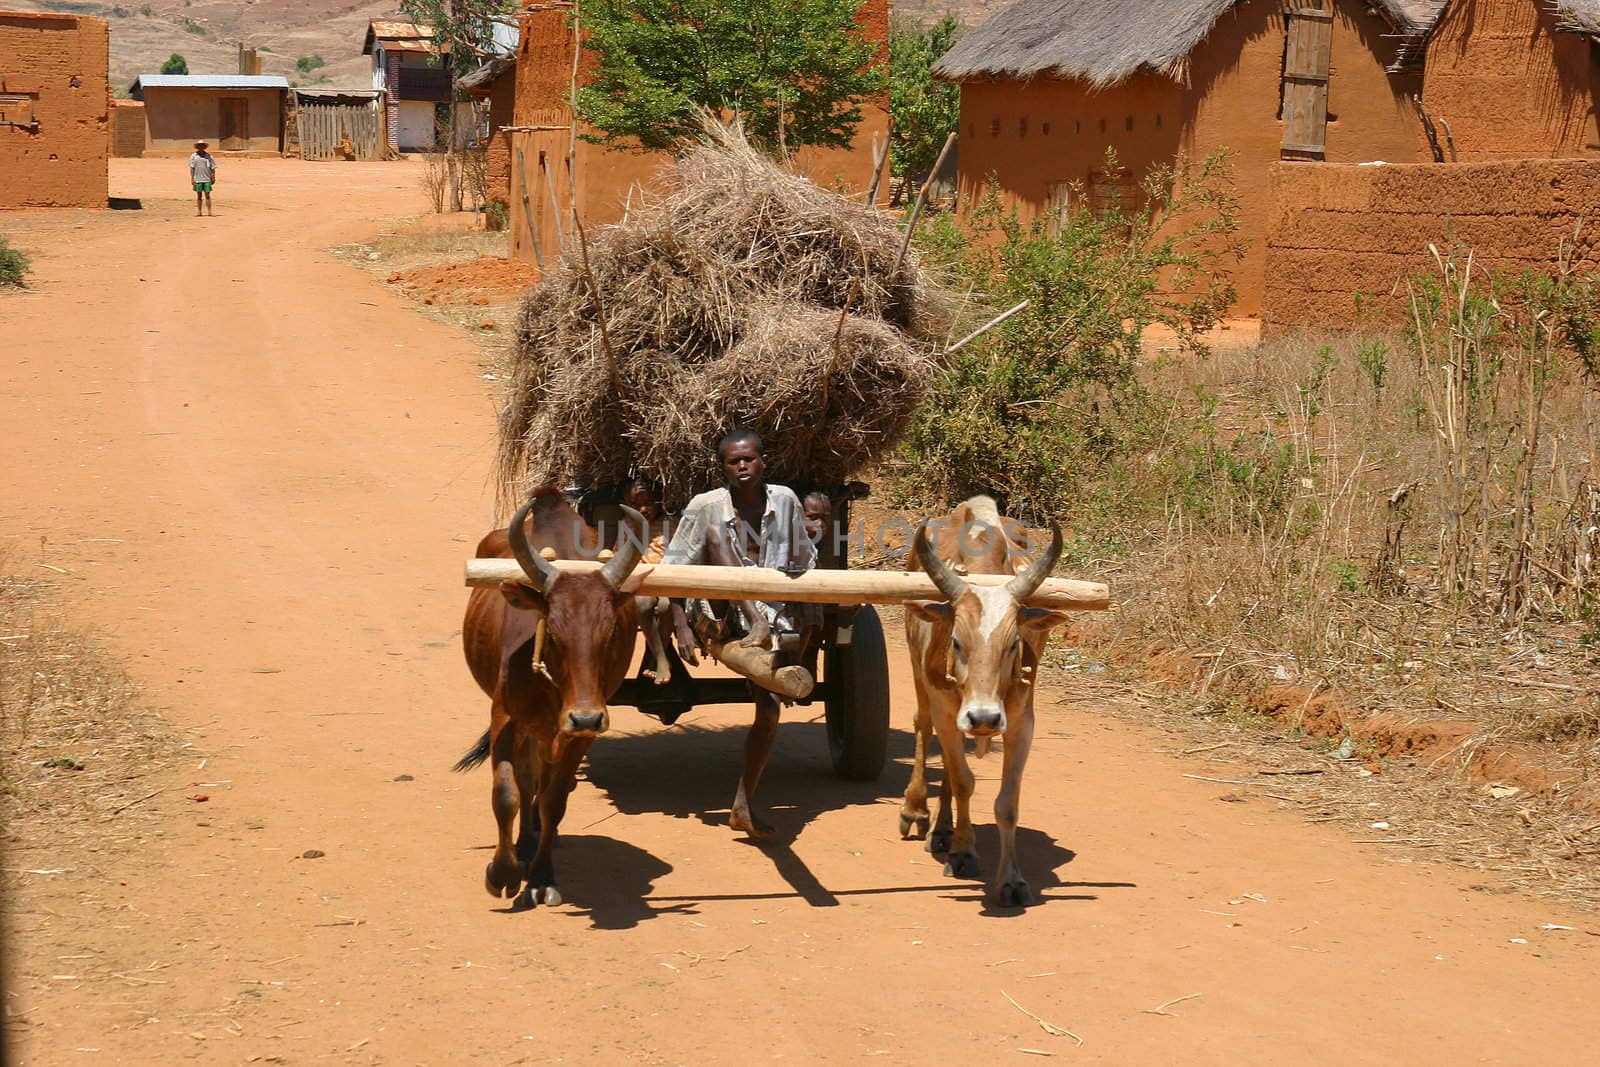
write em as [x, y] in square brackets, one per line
[812, 587]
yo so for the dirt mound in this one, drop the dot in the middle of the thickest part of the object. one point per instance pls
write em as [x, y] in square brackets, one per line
[481, 281]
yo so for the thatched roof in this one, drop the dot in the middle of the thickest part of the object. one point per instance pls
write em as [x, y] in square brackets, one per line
[1106, 41]
[1579, 16]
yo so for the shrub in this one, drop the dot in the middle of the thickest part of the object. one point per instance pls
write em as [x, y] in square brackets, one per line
[13, 266]
[175, 64]
[1049, 401]
[307, 64]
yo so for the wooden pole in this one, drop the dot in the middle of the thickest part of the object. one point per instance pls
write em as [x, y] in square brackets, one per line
[878, 163]
[922, 199]
[527, 210]
[555, 203]
[986, 327]
[812, 587]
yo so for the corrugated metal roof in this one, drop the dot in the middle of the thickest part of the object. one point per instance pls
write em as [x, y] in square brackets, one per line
[208, 81]
[397, 30]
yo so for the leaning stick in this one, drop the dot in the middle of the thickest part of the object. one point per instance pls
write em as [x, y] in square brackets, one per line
[527, 209]
[555, 203]
[878, 162]
[986, 327]
[812, 587]
[922, 199]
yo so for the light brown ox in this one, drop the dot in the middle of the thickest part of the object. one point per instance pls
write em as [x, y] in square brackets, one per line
[974, 660]
[542, 722]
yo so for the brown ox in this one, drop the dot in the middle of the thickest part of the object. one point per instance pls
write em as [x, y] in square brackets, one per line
[543, 720]
[973, 660]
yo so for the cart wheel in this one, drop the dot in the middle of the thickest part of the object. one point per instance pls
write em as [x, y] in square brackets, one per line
[858, 700]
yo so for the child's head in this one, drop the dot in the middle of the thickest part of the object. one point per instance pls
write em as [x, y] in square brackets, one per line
[643, 497]
[817, 510]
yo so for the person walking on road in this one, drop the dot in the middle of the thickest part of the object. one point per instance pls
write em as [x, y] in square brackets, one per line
[203, 173]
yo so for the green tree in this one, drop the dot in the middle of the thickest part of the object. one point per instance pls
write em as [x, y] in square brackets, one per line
[925, 110]
[175, 64]
[795, 71]
[307, 64]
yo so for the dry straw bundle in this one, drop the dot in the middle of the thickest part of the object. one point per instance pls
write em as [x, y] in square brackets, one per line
[744, 295]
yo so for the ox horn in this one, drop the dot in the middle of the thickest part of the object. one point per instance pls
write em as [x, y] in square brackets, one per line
[629, 552]
[540, 574]
[1023, 585]
[949, 583]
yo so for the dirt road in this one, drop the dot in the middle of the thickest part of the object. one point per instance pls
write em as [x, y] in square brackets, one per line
[291, 466]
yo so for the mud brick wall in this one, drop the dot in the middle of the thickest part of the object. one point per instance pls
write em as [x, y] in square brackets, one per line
[127, 129]
[58, 64]
[1343, 239]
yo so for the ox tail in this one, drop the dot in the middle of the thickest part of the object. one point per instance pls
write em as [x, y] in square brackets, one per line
[475, 755]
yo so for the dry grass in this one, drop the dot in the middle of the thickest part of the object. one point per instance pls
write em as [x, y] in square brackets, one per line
[741, 294]
[79, 753]
[1306, 570]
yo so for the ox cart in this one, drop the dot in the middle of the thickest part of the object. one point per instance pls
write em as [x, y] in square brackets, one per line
[853, 664]
[853, 686]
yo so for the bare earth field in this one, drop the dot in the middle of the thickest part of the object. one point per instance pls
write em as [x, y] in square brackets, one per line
[256, 471]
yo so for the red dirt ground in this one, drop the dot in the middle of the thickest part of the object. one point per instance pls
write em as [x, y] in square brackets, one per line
[292, 464]
[480, 281]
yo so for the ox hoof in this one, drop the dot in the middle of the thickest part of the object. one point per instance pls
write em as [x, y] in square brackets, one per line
[939, 841]
[913, 826]
[1014, 894]
[961, 865]
[549, 895]
[502, 879]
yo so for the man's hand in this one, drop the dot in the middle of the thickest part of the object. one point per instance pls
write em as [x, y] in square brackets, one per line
[688, 647]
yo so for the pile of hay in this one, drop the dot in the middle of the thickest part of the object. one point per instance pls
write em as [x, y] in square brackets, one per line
[743, 295]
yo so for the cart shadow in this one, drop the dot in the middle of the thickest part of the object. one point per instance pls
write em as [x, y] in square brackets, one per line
[691, 772]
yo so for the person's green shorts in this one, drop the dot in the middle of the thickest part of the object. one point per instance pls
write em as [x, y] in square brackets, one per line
[202, 187]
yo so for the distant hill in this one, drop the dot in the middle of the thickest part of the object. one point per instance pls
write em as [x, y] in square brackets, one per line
[207, 33]
[967, 12]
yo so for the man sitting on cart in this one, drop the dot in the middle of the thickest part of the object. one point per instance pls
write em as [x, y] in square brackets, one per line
[749, 522]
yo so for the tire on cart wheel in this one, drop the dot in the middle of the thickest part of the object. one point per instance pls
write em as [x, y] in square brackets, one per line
[857, 706]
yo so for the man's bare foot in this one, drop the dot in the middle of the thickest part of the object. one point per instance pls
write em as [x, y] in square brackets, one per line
[760, 635]
[740, 819]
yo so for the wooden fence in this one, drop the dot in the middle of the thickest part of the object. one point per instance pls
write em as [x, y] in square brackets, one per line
[340, 131]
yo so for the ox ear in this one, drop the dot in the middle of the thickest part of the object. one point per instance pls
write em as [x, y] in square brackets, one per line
[523, 597]
[936, 611]
[1036, 623]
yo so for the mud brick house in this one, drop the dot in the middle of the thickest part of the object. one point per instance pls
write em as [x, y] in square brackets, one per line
[1047, 86]
[128, 129]
[1515, 79]
[55, 107]
[606, 179]
[405, 68]
[232, 112]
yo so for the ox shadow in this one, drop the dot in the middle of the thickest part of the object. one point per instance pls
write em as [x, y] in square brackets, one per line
[1041, 859]
[608, 882]
[690, 772]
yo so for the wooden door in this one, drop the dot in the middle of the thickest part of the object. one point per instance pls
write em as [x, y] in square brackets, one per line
[1307, 52]
[233, 122]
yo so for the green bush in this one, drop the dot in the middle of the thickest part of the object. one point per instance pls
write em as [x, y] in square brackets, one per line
[175, 64]
[1046, 412]
[13, 266]
[307, 64]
